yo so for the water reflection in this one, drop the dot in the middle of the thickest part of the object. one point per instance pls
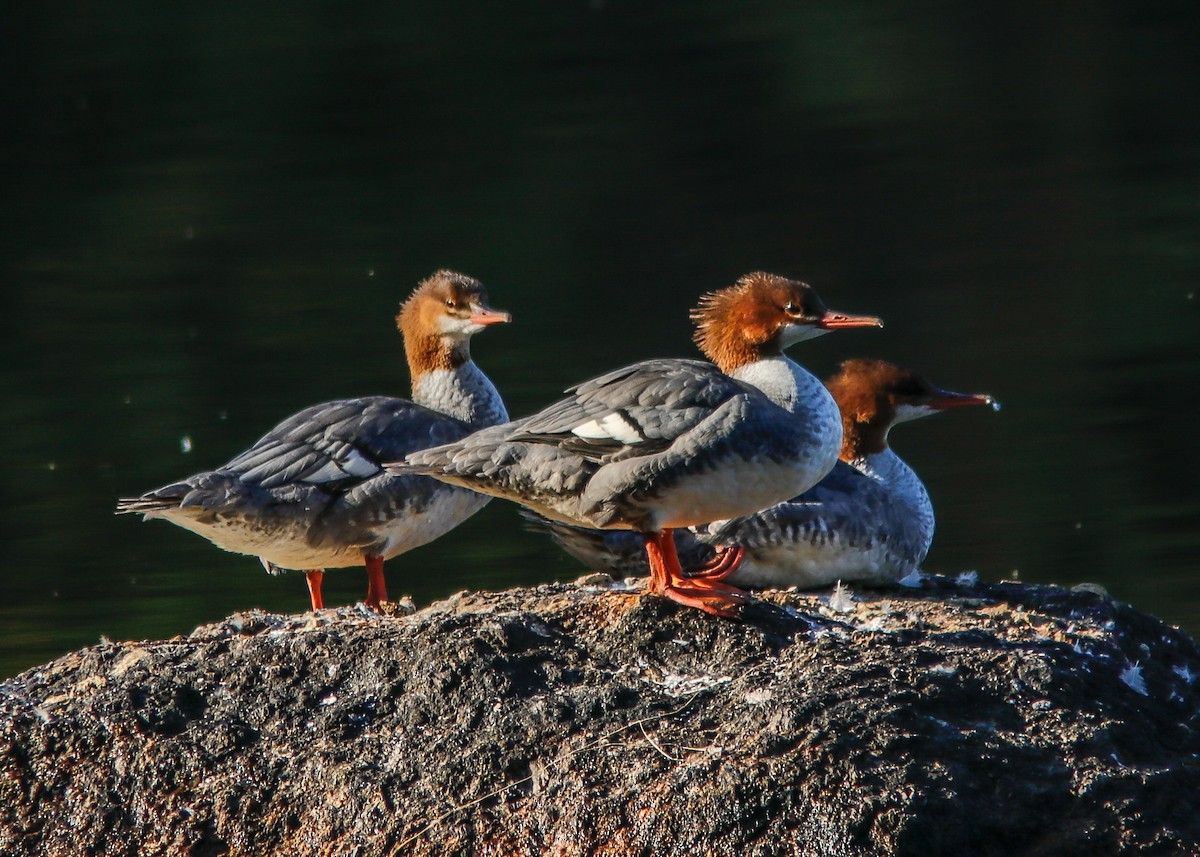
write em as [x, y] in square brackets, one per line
[211, 214]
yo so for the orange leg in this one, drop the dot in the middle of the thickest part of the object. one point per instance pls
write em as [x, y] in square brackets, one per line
[376, 585]
[725, 563]
[315, 578]
[667, 579]
[658, 561]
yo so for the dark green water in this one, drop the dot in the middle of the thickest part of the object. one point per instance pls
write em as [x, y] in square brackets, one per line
[210, 212]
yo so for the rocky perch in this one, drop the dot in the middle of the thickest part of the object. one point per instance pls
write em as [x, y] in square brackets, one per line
[572, 719]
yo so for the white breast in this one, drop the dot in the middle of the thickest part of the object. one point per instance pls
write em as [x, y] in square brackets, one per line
[793, 388]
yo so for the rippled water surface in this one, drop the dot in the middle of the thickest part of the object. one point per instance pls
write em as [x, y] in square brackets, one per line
[210, 214]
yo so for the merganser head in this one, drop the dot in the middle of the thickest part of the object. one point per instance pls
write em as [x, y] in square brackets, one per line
[874, 395]
[761, 315]
[439, 319]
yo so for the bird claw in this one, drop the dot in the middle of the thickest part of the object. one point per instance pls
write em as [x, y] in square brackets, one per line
[718, 599]
[725, 563]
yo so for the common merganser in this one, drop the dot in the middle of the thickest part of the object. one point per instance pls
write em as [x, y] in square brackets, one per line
[869, 520]
[313, 494]
[672, 443]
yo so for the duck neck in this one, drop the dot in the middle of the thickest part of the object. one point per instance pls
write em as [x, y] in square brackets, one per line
[789, 385]
[462, 392]
[904, 487]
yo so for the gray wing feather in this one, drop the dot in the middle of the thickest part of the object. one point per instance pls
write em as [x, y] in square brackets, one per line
[342, 442]
[331, 449]
[583, 458]
[650, 404]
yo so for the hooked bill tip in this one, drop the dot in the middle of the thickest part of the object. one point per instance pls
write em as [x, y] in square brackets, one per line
[839, 321]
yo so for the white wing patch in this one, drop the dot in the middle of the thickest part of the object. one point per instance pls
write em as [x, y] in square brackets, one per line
[614, 426]
[350, 465]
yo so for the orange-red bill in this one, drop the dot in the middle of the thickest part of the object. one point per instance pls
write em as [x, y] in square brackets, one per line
[840, 320]
[944, 399]
[484, 315]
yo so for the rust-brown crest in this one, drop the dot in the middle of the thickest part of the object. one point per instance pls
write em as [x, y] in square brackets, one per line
[866, 393]
[740, 324]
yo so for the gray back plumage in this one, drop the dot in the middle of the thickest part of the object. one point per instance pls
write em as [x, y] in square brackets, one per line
[597, 454]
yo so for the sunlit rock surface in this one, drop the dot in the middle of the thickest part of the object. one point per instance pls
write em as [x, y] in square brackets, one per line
[953, 718]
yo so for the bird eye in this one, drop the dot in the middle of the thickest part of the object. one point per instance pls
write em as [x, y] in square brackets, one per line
[792, 309]
[450, 303]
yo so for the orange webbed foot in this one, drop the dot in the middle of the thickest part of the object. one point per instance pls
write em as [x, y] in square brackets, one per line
[710, 601]
[704, 593]
[725, 563]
